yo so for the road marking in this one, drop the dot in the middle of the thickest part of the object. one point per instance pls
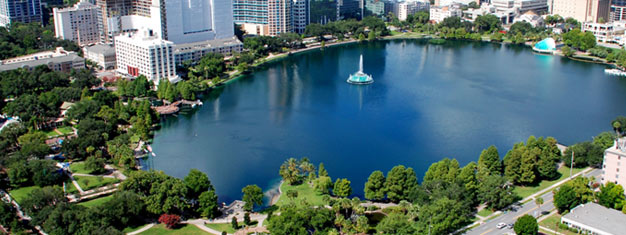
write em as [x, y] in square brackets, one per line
[486, 232]
[548, 201]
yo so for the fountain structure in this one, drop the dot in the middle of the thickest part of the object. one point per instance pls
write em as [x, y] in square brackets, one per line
[360, 78]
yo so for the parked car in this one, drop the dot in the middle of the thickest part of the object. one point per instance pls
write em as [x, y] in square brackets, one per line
[500, 225]
[509, 226]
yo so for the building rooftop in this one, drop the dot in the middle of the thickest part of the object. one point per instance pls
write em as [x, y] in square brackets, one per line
[178, 48]
[45, 61]
[619, 147]
[597, 216]
[77, 6]
[104, 49]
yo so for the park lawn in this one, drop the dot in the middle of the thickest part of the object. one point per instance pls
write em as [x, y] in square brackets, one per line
[485, 212]
[96, 202]
[187, 229]
[304, 191]
[525, 191]
[19, 194]
[70, 188]
[222, 227]
[79, 167]
[133, 228]
[551, 223]
[66, 130]
[91, 182]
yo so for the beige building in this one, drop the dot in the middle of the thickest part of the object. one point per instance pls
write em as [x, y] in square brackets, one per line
[612, 167]
[58, 60]
[279, 17]
[582, 10]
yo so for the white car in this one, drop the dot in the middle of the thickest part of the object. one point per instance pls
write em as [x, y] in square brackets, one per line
[500, 225]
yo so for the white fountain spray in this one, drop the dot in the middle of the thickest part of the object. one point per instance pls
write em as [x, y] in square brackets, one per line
[361, 64]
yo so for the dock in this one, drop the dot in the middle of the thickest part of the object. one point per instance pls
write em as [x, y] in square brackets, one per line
[173, 108]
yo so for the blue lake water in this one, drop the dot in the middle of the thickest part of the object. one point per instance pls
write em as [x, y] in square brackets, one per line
[427, 102]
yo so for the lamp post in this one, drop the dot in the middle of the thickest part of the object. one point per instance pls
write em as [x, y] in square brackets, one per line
[571, 165]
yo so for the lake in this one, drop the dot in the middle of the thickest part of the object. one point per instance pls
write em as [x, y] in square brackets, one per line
[427, 102]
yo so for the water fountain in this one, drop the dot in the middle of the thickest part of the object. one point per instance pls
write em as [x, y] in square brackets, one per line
[359, 77]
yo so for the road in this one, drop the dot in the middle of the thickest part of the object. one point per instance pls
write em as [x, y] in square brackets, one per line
[510, 216]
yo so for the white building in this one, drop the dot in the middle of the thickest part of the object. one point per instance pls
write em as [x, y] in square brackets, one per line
[521, 6]
[101, 54]
[438, 14]
[78, 23]
[58, 60]
[197, 20]
[404, 9]
[591, 218]
[196, 50]
[607, 32]
[530, 17]
[443, 3]
[145, 53]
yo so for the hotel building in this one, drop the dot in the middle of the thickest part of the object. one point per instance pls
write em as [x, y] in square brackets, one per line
[582, 10]
[145, 53]
[79, 23]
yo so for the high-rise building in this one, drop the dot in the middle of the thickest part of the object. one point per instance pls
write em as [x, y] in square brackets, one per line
[404, 9]
[375, 7]
[324, 11]
[300, 13]
[145, 53]
[78, 23]
[279, 17]
[25, 11]
[350, 9]
[582, 10]
[618, 10]
[612, 164]
[252, 16]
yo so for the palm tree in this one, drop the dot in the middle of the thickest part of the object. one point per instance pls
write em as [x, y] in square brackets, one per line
[617, 126]
[539, 202]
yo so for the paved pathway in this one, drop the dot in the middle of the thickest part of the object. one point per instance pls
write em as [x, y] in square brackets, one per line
[144, 228]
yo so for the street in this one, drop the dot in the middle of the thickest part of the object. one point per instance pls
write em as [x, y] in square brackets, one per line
[510, 216]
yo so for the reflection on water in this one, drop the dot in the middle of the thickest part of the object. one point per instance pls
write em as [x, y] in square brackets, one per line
[428, 102]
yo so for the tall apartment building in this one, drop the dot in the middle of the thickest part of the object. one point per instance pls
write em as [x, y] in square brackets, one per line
[252, 16]
[618, 10]
[582, 10]
[324, 11]
[350, 9]
[79, 23]
[145, 53]
[279, 17]
[25, 11]
[300, 12]
[404, 9]
[614, 163]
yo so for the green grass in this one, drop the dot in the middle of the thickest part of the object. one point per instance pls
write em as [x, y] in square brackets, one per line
[221, 227]
[22, 193]
[70, 188]
[66, 130]
[91, 182]
[551, 223]
[304, 192]
[133, 228]
[485, 212]
[79, 167]
[525, 191]
[186, 229]
[96, 202]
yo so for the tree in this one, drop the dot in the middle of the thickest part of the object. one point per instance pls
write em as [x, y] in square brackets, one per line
[612, 196]
[322, 171]
[375, 186]
[123, 209]
[42, 198]
[33, 145]
[44, 172]
[396, 223]
[496, 192]
[252, 194]
[489, 161]
[526, 225]
[539, 202]
[567, 51]
[572, 194]
[233, 223]
[169, 220]
[467, 179]
[197, 182]
[488, 23]
[95, 165]
[208, 206]
[399, 183]
[444, 215]
[290, 171]
[445, 170]
[246, 218]
[585, 154]
[342, 188]
[322, 185]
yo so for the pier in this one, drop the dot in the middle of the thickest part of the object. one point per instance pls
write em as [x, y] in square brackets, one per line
[173, 108]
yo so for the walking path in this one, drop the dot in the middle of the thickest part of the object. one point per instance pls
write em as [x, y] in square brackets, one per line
[143, 229]
[7, 197]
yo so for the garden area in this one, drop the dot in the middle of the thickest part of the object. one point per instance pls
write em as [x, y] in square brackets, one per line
[91, 182]
[304, 191]
[96, 202]
[188, 229]
[525, 191]
[22, 193]
[551, 223]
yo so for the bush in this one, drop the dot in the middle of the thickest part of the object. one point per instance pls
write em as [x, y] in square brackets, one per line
[233, 222]
[526, 225]
[169, 220]
[246, 218]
